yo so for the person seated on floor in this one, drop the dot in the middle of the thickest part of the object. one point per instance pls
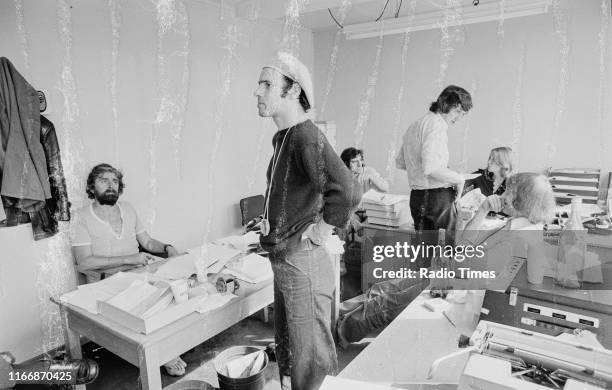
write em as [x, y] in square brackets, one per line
[106, 233]
[492, 179]
[529, 202]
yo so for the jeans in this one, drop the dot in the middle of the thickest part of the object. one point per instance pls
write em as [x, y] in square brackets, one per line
[376, 308]
[303, 290]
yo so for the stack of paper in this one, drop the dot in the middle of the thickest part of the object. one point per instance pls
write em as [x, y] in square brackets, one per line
[386, 209]
[138, 298]
[87, 295]
[252, 268]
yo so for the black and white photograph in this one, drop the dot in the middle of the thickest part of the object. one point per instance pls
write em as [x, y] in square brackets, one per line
[306, 194]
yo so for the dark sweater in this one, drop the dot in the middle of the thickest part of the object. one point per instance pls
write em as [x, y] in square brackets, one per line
[484, 183]
[310, 182]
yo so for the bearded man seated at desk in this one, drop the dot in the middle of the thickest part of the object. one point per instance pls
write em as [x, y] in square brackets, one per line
[106, 233]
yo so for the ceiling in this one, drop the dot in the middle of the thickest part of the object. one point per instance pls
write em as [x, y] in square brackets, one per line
[315, 14]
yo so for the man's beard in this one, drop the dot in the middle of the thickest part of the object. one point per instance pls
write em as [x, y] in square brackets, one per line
[108, 198]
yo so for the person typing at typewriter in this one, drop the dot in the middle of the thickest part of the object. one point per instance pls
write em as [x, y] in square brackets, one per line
[106, 233]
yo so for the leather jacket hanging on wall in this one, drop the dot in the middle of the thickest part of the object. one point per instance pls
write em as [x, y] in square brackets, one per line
[32, 183]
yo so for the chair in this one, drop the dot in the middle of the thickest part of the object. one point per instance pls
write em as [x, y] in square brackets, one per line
[251, 207]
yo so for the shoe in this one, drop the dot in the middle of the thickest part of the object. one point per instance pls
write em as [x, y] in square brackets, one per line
[271, 352]
[175, 367]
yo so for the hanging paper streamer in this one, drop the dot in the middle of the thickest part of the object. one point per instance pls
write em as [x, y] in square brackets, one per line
[113, 7]
[450, 32]
[171, 18]
[603, 55]
[230, 43]
[395, 142]
[333, 58]
[465, 155]
[254, 8]
[260, 142]
[55, 270]
[366, 98]
[560, 23]
[500, 25]
[23, 37]
[517, 117]
[290, 42]
[71, 159]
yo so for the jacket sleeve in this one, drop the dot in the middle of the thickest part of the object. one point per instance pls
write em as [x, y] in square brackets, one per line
[341, 192]
[59, 193]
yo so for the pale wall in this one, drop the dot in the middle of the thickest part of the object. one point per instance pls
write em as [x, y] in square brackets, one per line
[488, 67]
[179, 212]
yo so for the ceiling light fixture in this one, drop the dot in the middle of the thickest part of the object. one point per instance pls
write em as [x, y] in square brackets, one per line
[486, 12]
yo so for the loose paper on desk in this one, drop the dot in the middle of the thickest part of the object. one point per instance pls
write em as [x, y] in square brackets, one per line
[242, 242]
[178, 267]
[214, 301]
[472, 200]
[252, 268]
[380, 198]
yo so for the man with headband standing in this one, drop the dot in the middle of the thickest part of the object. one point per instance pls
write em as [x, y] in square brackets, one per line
[310, 190]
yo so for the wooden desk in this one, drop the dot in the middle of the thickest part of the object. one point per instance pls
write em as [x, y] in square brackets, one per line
[149, 352]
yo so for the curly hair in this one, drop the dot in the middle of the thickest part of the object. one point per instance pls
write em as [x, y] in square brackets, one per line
[532, 196]
[350, 153]
[451, 97]
[98, 171]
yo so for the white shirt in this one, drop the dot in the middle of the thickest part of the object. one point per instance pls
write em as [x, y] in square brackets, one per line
[88, 229]
[424, 149]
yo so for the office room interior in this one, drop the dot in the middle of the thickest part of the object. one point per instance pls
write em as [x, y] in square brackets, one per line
[164, 91]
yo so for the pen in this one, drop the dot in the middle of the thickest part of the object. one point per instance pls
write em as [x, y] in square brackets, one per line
[449, 320]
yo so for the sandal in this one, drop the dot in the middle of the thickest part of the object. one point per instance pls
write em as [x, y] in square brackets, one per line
[175, 367]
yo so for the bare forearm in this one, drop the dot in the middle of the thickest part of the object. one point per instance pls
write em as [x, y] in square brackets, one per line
[154, 246]
[380, 183]
[102, 262]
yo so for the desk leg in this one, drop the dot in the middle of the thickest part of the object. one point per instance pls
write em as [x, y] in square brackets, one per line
[72, 342]
[148, 362]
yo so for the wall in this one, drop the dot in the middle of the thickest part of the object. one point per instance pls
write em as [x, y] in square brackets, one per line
[508, 109]
[222, 150]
